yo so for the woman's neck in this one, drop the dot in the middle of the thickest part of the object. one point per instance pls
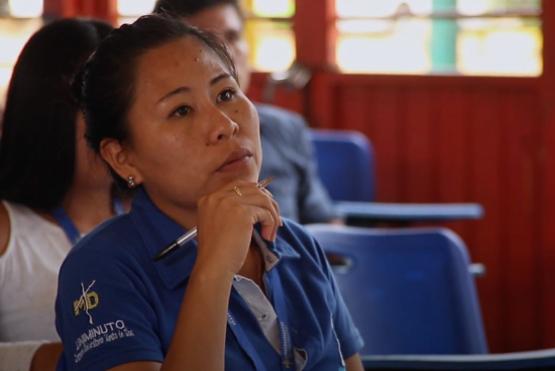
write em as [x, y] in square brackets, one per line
[253, 267]
[88, 208]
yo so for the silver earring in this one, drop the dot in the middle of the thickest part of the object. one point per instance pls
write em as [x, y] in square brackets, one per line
[131, 182]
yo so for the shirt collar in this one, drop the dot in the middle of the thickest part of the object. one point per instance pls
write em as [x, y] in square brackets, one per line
[157, 231]
[280, 249]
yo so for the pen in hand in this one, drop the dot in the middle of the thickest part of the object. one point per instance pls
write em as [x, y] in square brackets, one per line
[192, 233]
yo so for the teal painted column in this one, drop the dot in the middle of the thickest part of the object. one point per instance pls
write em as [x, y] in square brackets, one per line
[443, 43]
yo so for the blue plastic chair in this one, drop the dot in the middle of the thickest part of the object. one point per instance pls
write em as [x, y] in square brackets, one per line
[409, 290]
[542, 359]
[348, 176]
[345, 161]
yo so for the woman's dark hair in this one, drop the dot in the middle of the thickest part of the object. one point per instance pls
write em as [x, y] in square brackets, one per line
[187, 8]
[108, 79]
[37, 147]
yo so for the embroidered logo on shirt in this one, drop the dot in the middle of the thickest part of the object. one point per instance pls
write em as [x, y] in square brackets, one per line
[97, 336]
[86, 302]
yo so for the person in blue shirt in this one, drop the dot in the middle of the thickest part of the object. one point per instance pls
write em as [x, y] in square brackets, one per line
[253, 291]
[287, 149]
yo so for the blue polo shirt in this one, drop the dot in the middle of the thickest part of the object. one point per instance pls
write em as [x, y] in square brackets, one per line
[116, 305]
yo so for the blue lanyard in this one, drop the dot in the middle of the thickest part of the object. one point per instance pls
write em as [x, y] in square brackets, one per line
[69, 227]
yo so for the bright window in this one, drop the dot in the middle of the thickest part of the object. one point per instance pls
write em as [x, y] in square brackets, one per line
[471, 37]
[268, 29]
[269, 34]
[129, 10]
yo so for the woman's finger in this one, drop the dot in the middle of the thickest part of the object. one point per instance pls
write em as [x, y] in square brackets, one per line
[267, 222]
[260, 198]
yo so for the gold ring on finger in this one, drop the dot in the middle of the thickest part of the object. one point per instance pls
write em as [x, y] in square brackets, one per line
[237, 191]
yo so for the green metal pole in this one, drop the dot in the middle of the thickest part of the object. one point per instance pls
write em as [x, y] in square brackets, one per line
[443, 43]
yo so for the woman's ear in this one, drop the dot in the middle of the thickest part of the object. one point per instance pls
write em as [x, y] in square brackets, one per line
[119, 159]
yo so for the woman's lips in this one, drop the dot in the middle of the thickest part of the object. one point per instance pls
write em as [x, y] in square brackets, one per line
[235, 160]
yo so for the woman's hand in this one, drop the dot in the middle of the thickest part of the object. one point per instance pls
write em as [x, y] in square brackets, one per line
[225, 224]
[225, 221]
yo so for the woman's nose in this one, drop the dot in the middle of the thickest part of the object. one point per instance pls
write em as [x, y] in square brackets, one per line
[222, 127]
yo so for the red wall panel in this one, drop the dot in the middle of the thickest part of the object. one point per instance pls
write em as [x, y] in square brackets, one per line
[489, 151]
[103, 9]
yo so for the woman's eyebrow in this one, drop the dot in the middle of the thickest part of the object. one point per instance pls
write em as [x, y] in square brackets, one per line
[222, 76]
[179, 90]
[186, 89]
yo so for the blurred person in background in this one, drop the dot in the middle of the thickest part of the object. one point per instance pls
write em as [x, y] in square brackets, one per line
[53, 188]
[286, 146]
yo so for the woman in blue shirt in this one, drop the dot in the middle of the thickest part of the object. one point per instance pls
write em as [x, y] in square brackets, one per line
[253, 292]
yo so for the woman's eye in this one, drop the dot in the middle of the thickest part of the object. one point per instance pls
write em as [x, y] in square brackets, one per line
[181, 111]
[226, 95]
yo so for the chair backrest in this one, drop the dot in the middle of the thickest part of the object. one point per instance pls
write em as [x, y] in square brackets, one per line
[542, 359]
[345, 163]
[409, 290]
